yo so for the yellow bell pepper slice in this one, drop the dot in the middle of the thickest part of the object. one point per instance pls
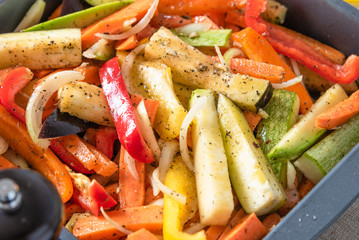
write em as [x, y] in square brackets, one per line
[175, 214]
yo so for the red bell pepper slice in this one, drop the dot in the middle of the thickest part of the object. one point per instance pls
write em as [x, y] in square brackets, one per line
[15, 80]
[104, 140]
[68, 158]
[123, 113]
[285, 43]
[90, 195]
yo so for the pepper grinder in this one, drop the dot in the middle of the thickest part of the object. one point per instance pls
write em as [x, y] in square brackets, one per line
[30, 207]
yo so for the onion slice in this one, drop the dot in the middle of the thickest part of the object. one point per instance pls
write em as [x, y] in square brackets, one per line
[231, 53]
[4, 145]
[39, 98]
[194, 228]
[288, 83]
[130, 162]
[169, 150]
[127, 66]
[147, 130]
[196, 108]
[90, 52]
[118, 227]
[193, 29]
[150, 170]
[291, 175]
[135, 29]
[158, 202]
[295, 67]
[166, 190]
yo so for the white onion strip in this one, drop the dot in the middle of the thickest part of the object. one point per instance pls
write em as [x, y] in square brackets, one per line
[169, 150]
[221, 59]
[197, 107]
[288, 83]
[90, 52]
[263, 113]
[166, 190]
[158, 202]
[231, 53]
[118, 227]
[150, 170]
[291, 175]
[194, 228]
[135, 29]
[130, 162]
[147, 130]
[4, 145]
[127, 66]
[193, 29]
[39, 98]
[295, 67]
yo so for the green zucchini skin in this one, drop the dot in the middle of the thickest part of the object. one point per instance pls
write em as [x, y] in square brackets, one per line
[209, 38]
[304, 133]
[282, 110]
[329, 151]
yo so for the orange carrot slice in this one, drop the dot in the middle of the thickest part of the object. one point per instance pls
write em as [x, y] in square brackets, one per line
[128, 44]
[142, 234]
[213, 232]
[88, 155]
[132, 191]
[249, 228]
[252, 118]
[340, 113]
[257, 48]
[193, 7]
[115, 22]
[4, 163]
[92, 228]
[273, 73]
[271, 220]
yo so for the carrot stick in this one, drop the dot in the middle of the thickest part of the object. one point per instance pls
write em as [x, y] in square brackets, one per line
[340, 113]
[194, 7]
[56, 13]
[4, 163]
[249, 228]
[40, 73]
[273, 73]
[149, 197]
[132, 191]
[305, 187]
[113, 190]
[257, 48]
[71, 208]
[91, 74]
[142, 234]
[235, 17]
[88, 155]
[206, 20]
[128, 44]
[93, 228]
[114, 23]
[252, 119]
[213, 232]
[292, 200]
[232, 223]
[150, 104]
[44, 161]
[271, 220]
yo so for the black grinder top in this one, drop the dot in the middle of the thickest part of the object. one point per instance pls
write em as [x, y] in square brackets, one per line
[30, 206]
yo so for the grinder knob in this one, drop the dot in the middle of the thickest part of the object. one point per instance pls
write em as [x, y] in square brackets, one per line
[30, 206]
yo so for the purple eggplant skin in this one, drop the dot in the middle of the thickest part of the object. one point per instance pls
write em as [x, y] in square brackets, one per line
[60, 124]
[70, 6]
